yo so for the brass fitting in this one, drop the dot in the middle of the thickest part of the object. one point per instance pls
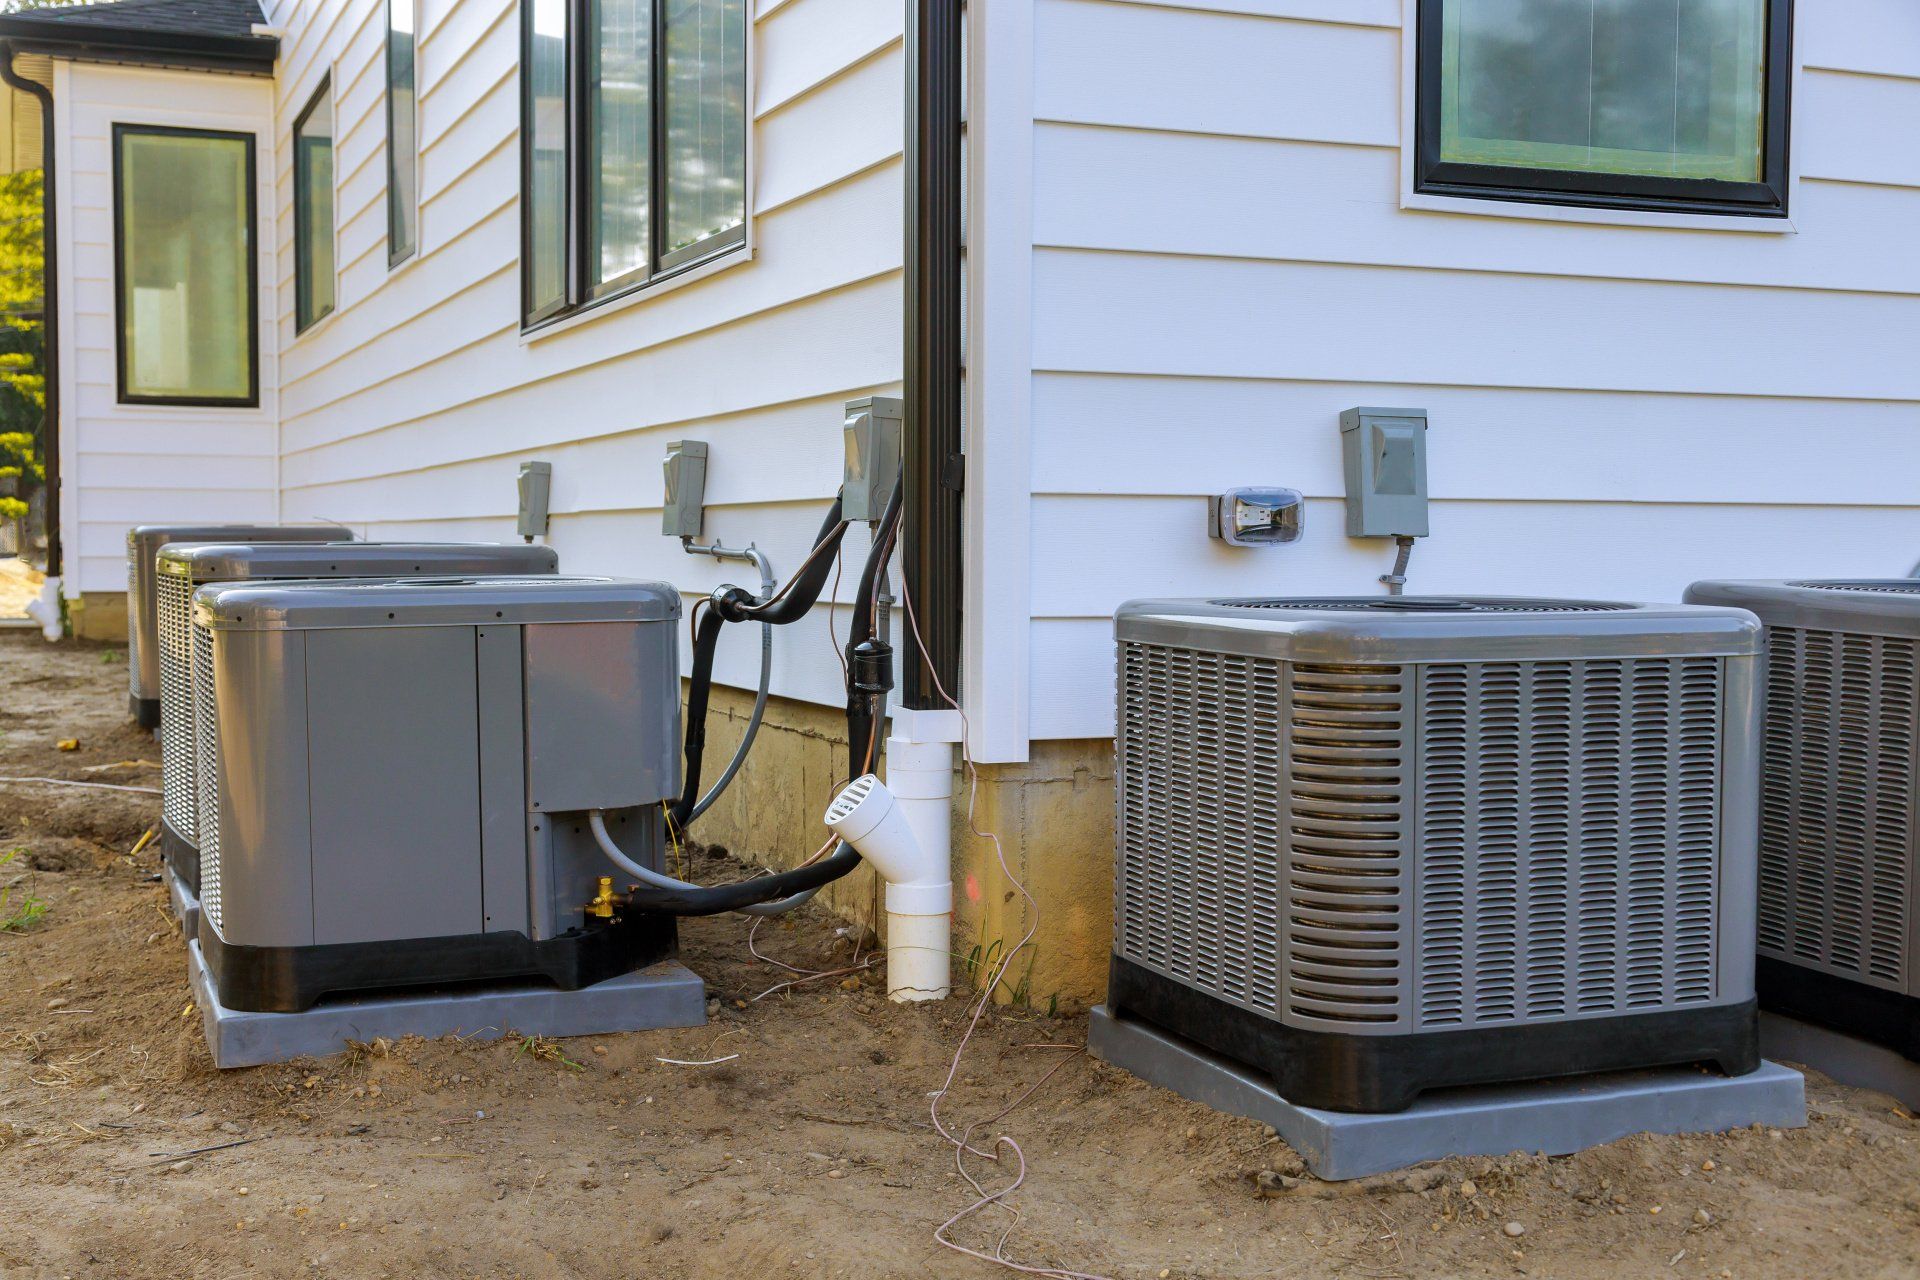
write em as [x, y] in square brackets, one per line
[601, 908]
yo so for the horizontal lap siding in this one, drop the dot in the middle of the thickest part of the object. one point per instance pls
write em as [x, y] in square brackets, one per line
[407, 411]
[139, 464]
[1221, 265]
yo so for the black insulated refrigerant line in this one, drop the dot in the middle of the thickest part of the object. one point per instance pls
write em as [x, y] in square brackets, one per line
[931, 450]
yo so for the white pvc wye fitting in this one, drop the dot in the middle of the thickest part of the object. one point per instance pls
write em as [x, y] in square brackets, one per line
[45, 610]
[919, 886]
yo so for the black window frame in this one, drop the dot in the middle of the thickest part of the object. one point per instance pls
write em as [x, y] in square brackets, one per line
[252, 238]
[1767, 198]
[395, 253]
[322, 93]
[580, 292]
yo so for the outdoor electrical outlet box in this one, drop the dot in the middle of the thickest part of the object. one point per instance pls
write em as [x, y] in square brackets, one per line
[1386, 467]
[872, 431]
[686, 504]
[536, 486]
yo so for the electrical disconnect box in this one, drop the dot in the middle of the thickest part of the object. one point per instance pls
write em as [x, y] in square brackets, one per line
[684, 512]
[1386, 470]
[872, 430]
[536, 484]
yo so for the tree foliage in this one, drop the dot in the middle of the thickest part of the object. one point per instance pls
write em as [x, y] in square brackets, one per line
[23, 381]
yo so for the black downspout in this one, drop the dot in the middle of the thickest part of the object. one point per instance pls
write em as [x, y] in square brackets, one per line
[50, 305]
[934, 470]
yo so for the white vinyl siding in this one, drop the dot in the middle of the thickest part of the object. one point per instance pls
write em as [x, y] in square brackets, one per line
[1222, 265]
[406, 414]
[127, 464]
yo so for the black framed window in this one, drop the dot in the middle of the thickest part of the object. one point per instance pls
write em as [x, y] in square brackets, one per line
[403, 136]
[633, 145]
[186, 275]
[313, 209]
[1674, 105]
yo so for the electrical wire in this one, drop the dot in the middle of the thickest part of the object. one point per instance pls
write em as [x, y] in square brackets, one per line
[962, 1142]
[92, 786]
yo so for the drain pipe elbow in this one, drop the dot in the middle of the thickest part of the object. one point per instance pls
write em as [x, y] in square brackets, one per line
[905, 835]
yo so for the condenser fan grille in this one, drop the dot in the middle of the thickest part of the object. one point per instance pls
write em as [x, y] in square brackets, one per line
[1422, 604]
[1884, 586]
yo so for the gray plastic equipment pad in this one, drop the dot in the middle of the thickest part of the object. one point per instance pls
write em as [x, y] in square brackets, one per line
[185, 905]
[662, 995]
[1556, 1117]
[1843, 1058]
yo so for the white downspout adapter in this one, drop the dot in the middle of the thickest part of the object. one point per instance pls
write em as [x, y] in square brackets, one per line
[904, 828]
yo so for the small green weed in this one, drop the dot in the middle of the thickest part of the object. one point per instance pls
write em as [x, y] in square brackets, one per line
[27, 911]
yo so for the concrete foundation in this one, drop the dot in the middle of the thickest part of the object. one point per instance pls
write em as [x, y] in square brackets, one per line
[1842, 1058]
[663, 995]
[1556, 1117]
[98, 615]
[1054, 815]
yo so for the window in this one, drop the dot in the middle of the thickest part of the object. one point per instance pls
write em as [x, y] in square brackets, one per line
[1676, 105]
[313, 210]
[403, 136]
[634, 142]
[184, 267]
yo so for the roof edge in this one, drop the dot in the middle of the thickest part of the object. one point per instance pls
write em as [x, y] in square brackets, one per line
[71, 40]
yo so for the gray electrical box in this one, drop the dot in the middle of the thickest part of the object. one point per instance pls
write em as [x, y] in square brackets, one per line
[684, 511]
[1386, 468]
[536, 486]
[872, 433]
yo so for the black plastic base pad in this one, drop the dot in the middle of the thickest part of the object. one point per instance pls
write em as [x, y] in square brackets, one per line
[1872, 1013]
[1336, 1072]
[289, 979]
[182, 855]
[145, 711]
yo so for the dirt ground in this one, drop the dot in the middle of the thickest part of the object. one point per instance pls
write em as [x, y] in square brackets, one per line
[123, 1153]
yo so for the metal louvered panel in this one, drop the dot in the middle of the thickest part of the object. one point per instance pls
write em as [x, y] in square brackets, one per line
[133, 618]
[175, 599]
[1197, 892]
[1569, 838]
[1347, 768]
[206, 748]
[1837, 794]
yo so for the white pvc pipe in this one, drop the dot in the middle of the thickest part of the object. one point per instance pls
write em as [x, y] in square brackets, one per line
[903, 828]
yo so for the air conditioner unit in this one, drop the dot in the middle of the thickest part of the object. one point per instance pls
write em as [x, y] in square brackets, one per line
[1839, 933]
[394, 778]
[1372, 846]
[143, 545]
[181, 569]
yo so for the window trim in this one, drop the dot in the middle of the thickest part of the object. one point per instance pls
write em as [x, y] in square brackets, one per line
[395, 258]
[251, 235]
[580, 295]
[322, 93]
[1766, 199]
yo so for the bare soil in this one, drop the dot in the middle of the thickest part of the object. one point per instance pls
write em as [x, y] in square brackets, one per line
[123, 1153]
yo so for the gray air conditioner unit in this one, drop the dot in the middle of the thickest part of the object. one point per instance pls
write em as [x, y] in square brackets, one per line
[1839, 933]
[395, 777]
[181, 569]
[143, 545]
[1372, 846]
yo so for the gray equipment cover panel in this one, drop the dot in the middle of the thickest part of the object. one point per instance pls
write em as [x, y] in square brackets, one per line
[1875, 606]
[366, 693]
[1447, 629]
[427, 602]
[230, 562]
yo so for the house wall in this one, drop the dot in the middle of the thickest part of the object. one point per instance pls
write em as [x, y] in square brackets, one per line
[406, 412]
[124, 465]
[1189, 254]
[1220, 264]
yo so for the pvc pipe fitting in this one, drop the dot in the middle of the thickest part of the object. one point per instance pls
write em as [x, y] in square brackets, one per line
[888, 831]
